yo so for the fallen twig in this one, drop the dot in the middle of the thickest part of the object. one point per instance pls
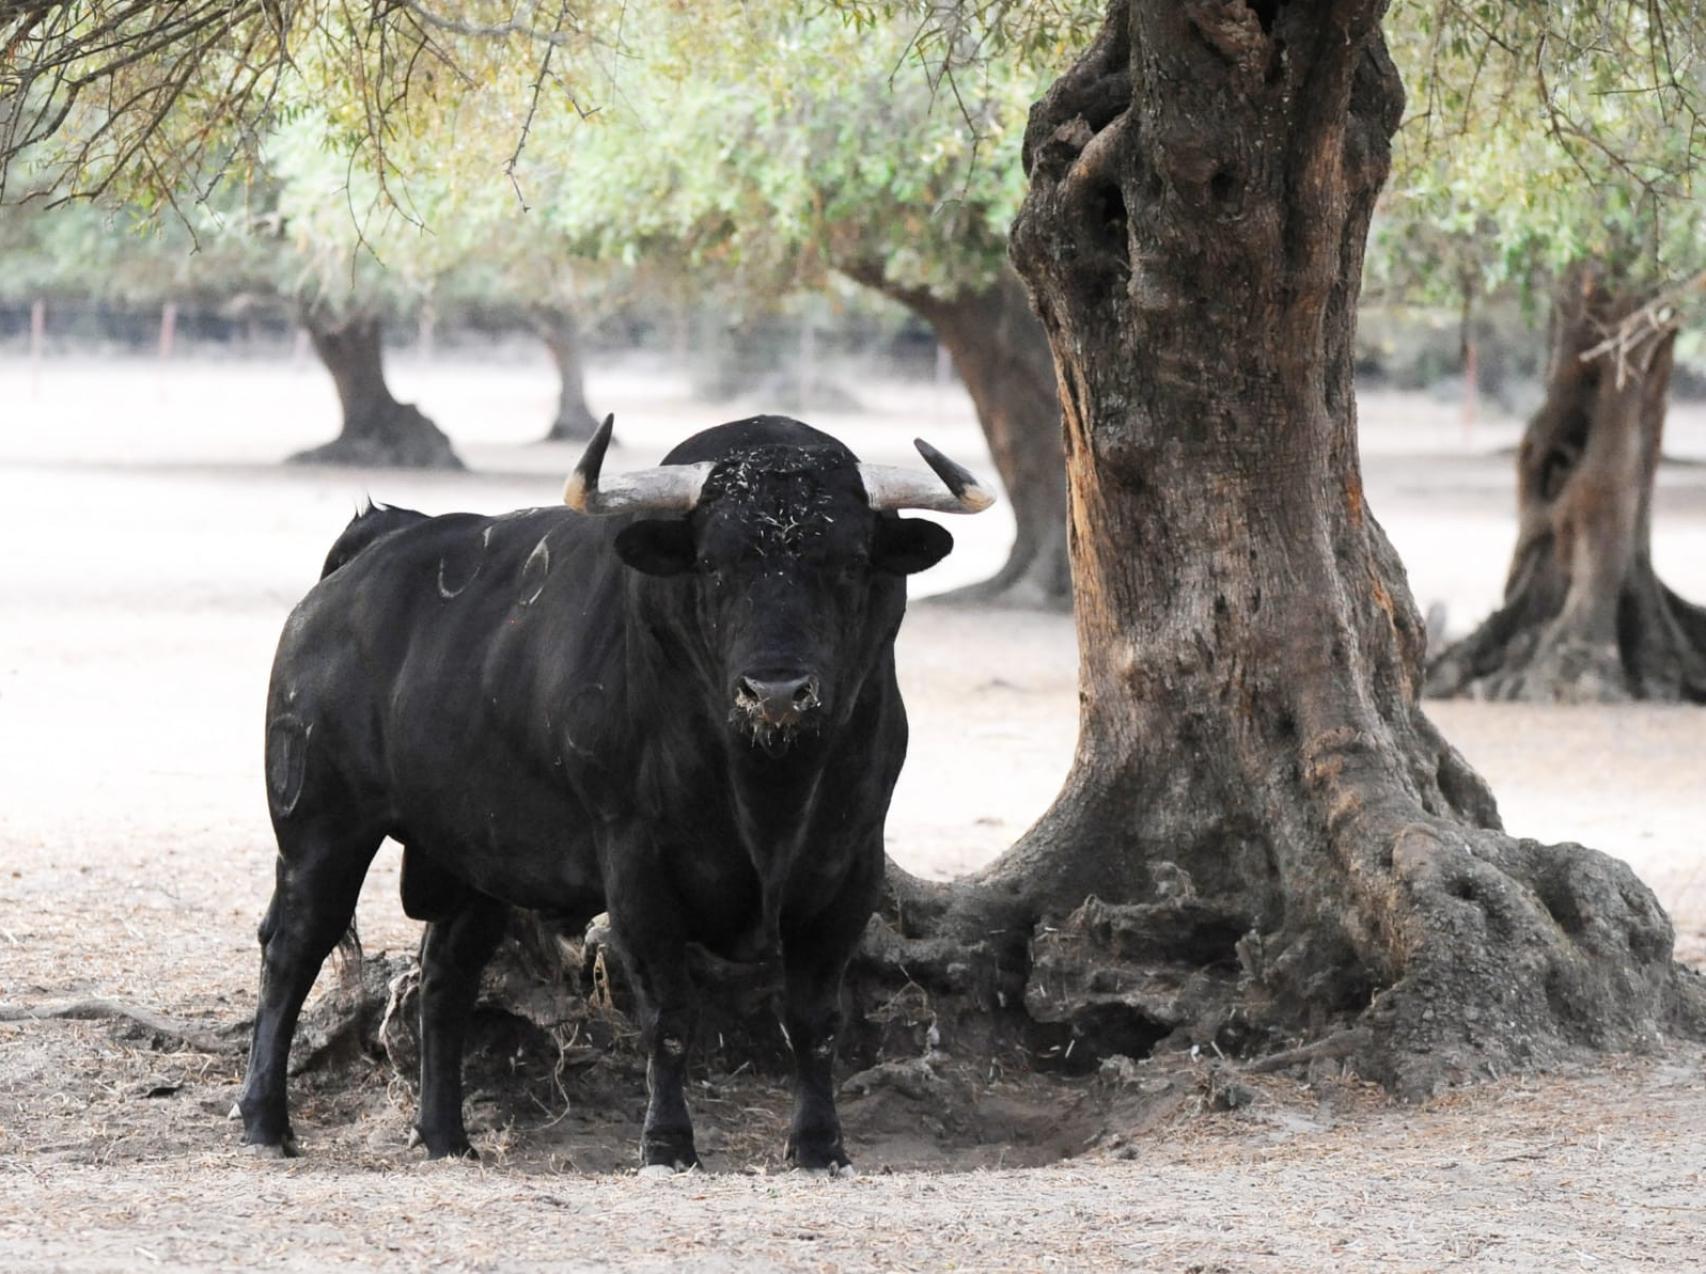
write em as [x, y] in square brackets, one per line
[1341, 1045]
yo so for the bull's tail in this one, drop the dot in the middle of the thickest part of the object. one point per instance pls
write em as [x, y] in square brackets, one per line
[369, 524]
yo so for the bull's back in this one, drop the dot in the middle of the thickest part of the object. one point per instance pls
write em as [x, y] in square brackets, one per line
[425, 679]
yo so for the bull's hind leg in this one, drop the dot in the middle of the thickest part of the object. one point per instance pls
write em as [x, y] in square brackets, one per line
[318, 881]
[452, 955]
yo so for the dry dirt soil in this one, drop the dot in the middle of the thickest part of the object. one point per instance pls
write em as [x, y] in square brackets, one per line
[152, 548]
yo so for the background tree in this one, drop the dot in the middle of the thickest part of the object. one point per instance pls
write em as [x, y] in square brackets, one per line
[351, 260]
[519, 271]
[288, 240]
[1573, 167]
[767, 173]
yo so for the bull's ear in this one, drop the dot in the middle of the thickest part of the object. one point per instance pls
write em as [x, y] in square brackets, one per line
[657, 546]
[908, 545]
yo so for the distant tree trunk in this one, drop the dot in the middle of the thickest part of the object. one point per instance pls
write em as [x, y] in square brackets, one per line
[574, 421]
[1584, 617]
[377, 429]
[1262, 836]
[1002, 356]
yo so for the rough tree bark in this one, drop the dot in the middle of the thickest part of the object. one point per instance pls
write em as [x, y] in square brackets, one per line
[574, 420]
[1262, 836]
[1585, 618]
[377, 429]
[1003, 358]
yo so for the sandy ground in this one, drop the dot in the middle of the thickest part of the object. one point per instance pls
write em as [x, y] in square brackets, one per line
[154, 547]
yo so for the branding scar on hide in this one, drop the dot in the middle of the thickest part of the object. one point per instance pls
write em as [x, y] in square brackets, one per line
[534, 571]
[583, 714]
[287, 760]
[447, 590]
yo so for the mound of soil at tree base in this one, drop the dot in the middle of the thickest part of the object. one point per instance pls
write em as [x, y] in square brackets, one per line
[400, 437]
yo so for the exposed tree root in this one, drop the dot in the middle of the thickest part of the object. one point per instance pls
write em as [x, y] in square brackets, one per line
[216, 1040]
[398, 436]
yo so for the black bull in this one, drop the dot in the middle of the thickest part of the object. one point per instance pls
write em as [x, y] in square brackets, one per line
[689, 721]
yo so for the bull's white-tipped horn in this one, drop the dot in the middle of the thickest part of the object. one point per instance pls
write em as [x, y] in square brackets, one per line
[948, 488]
[670, 488]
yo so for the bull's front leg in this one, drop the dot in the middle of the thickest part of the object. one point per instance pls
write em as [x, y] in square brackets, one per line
[668, 1016]
[815, 957]
[648, 933]
[811, 1015]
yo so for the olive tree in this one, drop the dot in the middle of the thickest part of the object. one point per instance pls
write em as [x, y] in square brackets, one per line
[1574, 168]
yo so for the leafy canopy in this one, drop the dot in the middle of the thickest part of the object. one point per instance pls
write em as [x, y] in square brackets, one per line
[779, 139]
[1543, 133]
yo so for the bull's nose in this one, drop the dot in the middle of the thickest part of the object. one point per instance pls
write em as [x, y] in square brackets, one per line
[779, 703]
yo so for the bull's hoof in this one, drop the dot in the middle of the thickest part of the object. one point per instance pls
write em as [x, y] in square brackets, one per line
[675, 1154]
[818, 1154]
[453, 1146]
[268, 1142]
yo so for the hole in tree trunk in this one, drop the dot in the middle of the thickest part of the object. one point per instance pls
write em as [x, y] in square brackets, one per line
[1631, 636]
[1210, 945]
[1110, 218]
[1560, 904]
[1566, 451]
[1266, 12]
[1095, 1034]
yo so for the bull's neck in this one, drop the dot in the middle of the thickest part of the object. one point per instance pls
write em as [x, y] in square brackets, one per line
[774, 800]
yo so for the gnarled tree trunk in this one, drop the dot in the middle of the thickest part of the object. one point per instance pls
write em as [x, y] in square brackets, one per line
[1584, 615]
[1003, 358]
[1262, 836]
[574, 420]
[377, 429]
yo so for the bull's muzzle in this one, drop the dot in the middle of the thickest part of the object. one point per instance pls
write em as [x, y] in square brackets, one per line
[779, 704]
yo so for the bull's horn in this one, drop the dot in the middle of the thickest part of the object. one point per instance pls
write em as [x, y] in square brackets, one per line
[670, 488]
[952, 489]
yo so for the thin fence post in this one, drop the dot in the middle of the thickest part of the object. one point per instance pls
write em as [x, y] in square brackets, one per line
[38, 338]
